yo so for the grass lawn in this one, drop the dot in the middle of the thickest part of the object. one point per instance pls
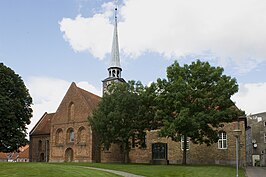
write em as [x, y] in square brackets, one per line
[47, 170]
[170, 170]
[75, 170]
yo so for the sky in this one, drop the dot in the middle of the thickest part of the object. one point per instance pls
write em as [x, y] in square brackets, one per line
[53, 43]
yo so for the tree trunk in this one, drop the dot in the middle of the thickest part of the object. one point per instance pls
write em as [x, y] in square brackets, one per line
[126, 152]
[184, 161]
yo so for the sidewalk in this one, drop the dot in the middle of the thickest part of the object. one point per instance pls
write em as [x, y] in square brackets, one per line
[121, 173]
[256, 171]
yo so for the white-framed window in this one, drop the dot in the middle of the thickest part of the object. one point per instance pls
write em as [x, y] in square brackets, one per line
[182, 142]
[222, 142]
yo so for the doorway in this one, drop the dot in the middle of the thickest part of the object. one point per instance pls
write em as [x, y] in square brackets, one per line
[69, 155]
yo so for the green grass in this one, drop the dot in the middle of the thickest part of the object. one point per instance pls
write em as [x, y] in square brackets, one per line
[170, 170]
[75, 170]
[48, 170]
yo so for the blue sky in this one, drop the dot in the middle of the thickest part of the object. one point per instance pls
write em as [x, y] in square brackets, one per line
[52, 43]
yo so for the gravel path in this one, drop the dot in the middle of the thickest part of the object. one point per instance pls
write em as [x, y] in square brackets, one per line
[121, 173]
[256, 171]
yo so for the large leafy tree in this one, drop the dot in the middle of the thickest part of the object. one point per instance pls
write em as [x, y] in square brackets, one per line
[121, 116]
[194, 101]
[15, 110]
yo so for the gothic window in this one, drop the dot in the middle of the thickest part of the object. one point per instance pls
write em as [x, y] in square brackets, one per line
[71, 111]
[222, 142]
[59, 136]
[182, 142]
[40, 145]
[144, 141]
[81, 135]
[70, 135]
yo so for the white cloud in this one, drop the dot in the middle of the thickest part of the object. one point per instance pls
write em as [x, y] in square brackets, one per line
[89, 34]
[47, 94]
[232, 31]
[251, 97]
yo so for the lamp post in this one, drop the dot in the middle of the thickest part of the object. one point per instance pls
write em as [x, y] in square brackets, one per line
[237, 133]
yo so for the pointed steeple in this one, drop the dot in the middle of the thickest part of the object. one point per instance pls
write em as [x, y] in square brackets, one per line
[114, 69]
[115, 60]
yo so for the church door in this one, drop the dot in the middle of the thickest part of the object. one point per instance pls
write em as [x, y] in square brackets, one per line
[69, 155]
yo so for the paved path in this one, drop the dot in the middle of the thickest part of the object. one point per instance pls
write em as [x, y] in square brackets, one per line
[256, 171]
[121, 173]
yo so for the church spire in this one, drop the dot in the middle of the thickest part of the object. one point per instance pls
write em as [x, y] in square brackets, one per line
[115, 68]
[115, 60]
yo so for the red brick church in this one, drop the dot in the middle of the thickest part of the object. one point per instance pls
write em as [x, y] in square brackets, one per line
[66, 136]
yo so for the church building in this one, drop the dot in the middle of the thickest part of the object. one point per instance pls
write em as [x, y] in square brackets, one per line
[65, 136]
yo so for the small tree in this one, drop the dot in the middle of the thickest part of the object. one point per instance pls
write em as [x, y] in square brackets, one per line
[119, 116]
[194, 101]
[15, 110]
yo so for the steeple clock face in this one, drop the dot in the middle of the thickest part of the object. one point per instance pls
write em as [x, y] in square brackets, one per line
[107, 85]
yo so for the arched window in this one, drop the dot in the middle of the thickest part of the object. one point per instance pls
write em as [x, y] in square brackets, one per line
[40, 145]
[222, 142]
[59, 136]
[118, 73]
[70, 135]
[71, 112]
[81, 135]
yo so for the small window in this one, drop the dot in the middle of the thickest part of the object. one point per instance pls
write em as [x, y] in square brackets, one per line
[265, 123]
[40, 145]
[222, 142]
[144, 141]
[118, 73]
[70, 135]
[182, 142]
[264, 137]
[71, 111]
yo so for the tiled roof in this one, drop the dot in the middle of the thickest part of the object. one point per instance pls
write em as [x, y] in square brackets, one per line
[24, 153]
[90, 98]
[43, 126]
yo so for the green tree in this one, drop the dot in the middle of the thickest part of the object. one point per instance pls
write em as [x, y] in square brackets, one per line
[194, 101]
[119, 117]
[15, 110]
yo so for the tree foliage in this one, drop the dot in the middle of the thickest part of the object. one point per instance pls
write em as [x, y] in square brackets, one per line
[194, 101]
[122, 115]
[15, 110]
